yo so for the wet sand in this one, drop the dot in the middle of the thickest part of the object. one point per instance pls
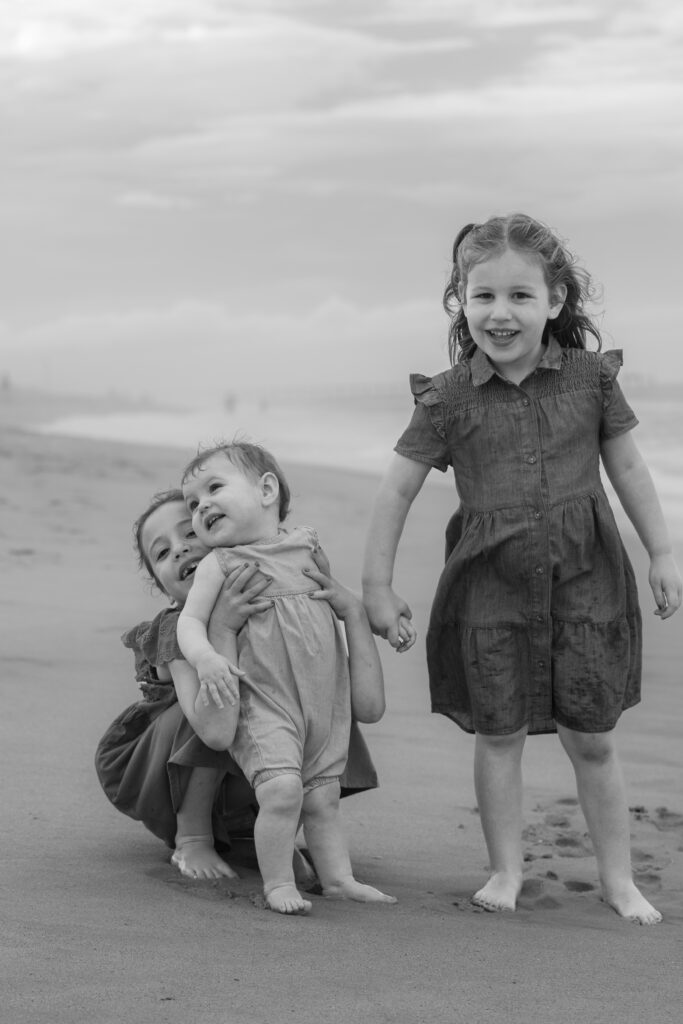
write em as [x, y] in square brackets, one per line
[99, 928]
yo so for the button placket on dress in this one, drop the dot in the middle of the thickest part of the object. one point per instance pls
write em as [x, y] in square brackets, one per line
[535, 500]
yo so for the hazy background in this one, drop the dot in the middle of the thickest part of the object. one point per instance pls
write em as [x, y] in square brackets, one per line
[243, 197]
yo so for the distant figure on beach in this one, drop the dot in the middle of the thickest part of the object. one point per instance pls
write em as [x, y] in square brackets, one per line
[294, 701]
[164, 760]
[535, 626]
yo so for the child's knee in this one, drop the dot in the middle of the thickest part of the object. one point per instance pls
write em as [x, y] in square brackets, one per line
[283, 792]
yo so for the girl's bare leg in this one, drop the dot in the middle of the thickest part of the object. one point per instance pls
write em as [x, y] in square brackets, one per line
[327, 846]
[603, 801]
[498, 785]
[195, 856]
[280, 800]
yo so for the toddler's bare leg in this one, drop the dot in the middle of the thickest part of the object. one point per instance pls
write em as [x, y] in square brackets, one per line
[275, 830]
[603, 801]
[327, 846]
[194, 855]
[498, 785]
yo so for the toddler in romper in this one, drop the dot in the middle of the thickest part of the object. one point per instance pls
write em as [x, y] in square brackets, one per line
[295, 702]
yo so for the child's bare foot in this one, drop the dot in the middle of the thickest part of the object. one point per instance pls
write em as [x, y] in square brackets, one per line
[286, 899]
[630, 904]
[195, 857]
[499, 893]
[304, 872]
[350, 889]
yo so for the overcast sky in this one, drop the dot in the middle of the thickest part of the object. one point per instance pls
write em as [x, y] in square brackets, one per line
[246, 195]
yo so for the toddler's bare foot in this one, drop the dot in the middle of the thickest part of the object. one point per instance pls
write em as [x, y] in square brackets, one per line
[629, 903]
[350, 889]
[304, 872]
[499, 893]
[286, 899]
[195, 857]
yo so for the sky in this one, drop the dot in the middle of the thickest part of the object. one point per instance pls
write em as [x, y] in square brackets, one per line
[252, 197]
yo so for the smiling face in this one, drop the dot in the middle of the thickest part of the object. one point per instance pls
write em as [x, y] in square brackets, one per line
[171, 549]
[228, 506]
[507, 304]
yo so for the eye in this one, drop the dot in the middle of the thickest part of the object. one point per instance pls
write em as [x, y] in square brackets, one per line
[521, 295]
[160, 553]
[214, 487]
[192, 504]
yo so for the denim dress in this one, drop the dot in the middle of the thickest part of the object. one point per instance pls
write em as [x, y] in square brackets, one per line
[535, 620]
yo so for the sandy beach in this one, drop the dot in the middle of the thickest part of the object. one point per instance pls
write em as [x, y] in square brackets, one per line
[99, 928]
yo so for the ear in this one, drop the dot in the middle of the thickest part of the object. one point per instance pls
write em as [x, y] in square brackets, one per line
[270, 488]
[557, 299]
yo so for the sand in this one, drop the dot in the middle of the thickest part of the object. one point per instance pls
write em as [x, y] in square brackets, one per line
[99, 928]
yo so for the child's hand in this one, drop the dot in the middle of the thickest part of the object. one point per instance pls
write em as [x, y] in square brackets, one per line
[239, 598]
[390, 617]
[667, 588]
[218, 680]
[342, 601]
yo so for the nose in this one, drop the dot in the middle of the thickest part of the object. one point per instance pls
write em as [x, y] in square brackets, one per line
[501, 309]
[180, 548]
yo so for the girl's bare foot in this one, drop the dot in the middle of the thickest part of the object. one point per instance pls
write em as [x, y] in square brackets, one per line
[286, 899]
[195, 857]
[499, 893]
[350, 889]
[629, 903]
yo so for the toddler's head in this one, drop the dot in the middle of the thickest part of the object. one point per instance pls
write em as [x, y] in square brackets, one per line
[236, 494]
[477, 243]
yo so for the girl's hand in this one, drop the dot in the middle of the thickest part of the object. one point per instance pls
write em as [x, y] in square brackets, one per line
[342, 601]
[390, 617]
[667, 588]
[239, 598]
[218, 680]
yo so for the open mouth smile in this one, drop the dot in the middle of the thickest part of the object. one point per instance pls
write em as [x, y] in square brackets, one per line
[188, 569]
[211, 520]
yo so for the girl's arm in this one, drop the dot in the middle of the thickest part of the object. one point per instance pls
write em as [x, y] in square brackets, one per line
[631, 479]
[365, 669]
[388, 613]
[215, 672]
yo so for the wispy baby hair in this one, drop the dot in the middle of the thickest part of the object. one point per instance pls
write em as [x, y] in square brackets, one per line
[159, 499]
[252, 459]
[476, 243]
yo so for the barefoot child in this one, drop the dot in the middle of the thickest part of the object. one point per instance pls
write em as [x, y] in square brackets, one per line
[535, 625]
[151, 762]
[292, 735]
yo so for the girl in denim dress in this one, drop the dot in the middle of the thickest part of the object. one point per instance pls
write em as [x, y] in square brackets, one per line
[535, 626]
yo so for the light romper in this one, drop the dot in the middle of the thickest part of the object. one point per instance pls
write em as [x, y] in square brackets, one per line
[295, 698]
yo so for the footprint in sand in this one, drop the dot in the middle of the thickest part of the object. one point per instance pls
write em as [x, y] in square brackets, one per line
[576, 885]
[213, 889]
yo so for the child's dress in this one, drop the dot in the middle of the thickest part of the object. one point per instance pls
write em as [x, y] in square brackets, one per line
[295, 702]
[144, 759]
[535, 619]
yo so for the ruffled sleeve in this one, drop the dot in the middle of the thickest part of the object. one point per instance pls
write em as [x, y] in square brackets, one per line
[424, 439]
[154, 643]
[617, 414]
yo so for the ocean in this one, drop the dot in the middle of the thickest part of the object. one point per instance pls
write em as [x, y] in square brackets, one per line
[356, 433]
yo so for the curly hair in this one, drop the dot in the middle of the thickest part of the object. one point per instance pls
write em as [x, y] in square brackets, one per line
[476, 243]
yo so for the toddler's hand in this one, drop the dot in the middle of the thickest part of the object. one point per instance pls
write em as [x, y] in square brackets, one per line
[239, 598]
[390, 617]
[667, 588]
[218, 680]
